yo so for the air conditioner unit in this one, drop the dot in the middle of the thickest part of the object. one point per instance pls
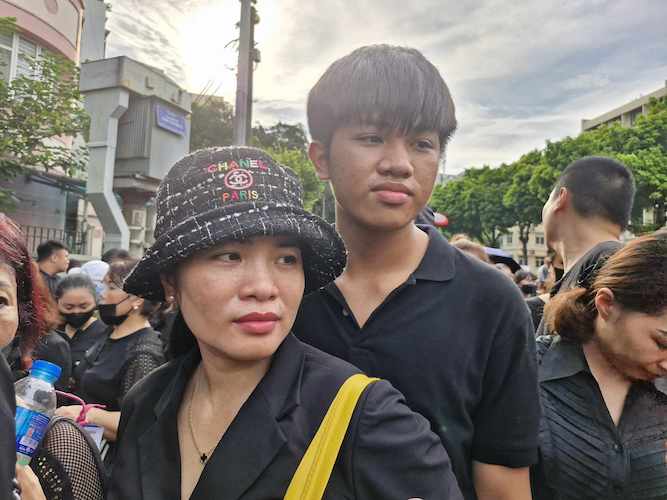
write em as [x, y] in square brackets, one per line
[139, 218]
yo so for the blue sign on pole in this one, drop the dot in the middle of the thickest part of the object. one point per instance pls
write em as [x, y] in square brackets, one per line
[170, 120]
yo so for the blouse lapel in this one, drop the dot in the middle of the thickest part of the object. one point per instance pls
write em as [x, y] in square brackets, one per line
[159, 454]
[254, 437]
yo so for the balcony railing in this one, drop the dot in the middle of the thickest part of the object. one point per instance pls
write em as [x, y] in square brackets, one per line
[77, 241]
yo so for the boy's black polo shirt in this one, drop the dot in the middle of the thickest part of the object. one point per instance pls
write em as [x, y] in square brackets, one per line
[457, 340]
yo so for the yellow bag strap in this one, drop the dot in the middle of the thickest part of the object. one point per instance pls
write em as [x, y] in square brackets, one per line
[312, 476]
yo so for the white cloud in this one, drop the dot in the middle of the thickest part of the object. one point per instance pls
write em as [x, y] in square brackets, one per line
[520, 72]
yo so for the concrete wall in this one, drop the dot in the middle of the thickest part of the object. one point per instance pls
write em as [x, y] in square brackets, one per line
[54, 23]
[94, 34]
[39, 204]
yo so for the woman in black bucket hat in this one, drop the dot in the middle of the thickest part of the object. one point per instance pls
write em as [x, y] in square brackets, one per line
[232, 415]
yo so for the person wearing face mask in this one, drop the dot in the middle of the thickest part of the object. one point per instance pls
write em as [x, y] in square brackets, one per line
[131, 350]
[526, 283]
[75, 296]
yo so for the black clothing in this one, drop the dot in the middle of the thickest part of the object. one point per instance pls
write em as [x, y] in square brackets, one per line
[112, 366]
[582, 272]
[389, 452]
[51, 282]
[536, 307]
[54, 349]
[457, 340]
[583, 455]
[7, 436]
[79, 344]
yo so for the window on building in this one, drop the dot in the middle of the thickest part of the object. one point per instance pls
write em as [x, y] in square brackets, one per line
[539, 239]
[539, 261]
[16, 56]
[522, 260]
[508, 239]
[27, 53]
[6, 44]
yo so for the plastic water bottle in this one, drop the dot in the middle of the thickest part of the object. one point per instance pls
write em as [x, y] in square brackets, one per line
[35, 405]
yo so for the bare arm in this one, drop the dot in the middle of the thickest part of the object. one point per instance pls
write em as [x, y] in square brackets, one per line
[495, 482]
[107, 419]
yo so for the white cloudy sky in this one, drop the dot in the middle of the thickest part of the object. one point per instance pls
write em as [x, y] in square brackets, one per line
[521, 71]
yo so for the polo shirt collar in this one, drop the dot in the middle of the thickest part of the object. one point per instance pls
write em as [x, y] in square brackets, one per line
[281, 386]
[562, 360]
[565, 359]
[438, 263]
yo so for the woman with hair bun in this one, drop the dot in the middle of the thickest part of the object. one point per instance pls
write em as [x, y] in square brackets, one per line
[603, 432]
[130, 351]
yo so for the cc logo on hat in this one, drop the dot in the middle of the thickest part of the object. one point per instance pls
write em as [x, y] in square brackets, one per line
[238, 179]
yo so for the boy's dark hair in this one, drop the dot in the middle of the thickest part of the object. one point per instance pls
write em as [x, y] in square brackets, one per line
[600, 187]
[48, 248]
[388, 86]
[115, 254]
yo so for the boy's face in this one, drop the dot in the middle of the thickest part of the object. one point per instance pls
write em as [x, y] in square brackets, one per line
[382, 179]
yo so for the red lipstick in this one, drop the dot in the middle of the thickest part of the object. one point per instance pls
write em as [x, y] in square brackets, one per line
[258, 323]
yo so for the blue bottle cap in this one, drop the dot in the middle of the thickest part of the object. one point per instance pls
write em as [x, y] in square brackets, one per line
[45, 370]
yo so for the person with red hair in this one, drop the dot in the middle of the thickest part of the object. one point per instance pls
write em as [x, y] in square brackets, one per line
[22, 310]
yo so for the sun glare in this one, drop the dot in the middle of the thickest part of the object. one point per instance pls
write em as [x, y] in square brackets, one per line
[207, 62]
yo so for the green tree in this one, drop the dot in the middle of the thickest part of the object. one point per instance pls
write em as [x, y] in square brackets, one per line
[474, 204]
[280, 136]
[298, 160]
[212, 123]
[37, 112]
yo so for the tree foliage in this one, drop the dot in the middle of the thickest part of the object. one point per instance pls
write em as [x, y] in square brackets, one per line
[212, 123]
[40, 114]
[486, 202]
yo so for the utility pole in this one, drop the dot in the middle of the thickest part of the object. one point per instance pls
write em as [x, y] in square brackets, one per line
[243, 110]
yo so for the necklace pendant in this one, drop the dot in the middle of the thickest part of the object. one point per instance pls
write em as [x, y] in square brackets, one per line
[203, 458]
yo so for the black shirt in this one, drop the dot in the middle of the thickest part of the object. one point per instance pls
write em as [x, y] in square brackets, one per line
[457, 340]
[389, 453]
[112, 367]
[53, 348]
[51, 281]
[582, 272]
[79, 343]
[583, 455]
[7, 436]
[536, 307]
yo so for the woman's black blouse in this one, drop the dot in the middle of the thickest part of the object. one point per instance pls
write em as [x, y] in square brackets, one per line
[583, 455]
[7, 435]
[51, 347]
[389, 452]
[79, 343]
[111, 367]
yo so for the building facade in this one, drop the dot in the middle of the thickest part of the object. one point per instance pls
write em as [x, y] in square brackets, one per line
[537, 248]
[626, 114]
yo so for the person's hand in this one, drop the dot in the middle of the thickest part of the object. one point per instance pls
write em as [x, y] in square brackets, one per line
[29, 484]
[71, 411]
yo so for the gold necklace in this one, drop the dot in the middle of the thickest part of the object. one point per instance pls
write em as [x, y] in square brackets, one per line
[203, 456]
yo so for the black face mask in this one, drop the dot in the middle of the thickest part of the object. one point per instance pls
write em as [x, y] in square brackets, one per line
[77, 320]
[108, 313]
[529, 289]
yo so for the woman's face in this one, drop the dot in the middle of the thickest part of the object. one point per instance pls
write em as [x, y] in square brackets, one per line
[634, 343]
[9, 312]
[240, 298]
[114, 294]
[76, 300]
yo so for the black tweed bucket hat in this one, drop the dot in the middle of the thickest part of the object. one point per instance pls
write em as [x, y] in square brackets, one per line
[233, 193]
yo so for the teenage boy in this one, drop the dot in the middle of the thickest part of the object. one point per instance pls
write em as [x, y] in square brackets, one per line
[588, 209]
[447, 330]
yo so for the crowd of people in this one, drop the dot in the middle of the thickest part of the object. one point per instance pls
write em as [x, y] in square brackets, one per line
[220, 355]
